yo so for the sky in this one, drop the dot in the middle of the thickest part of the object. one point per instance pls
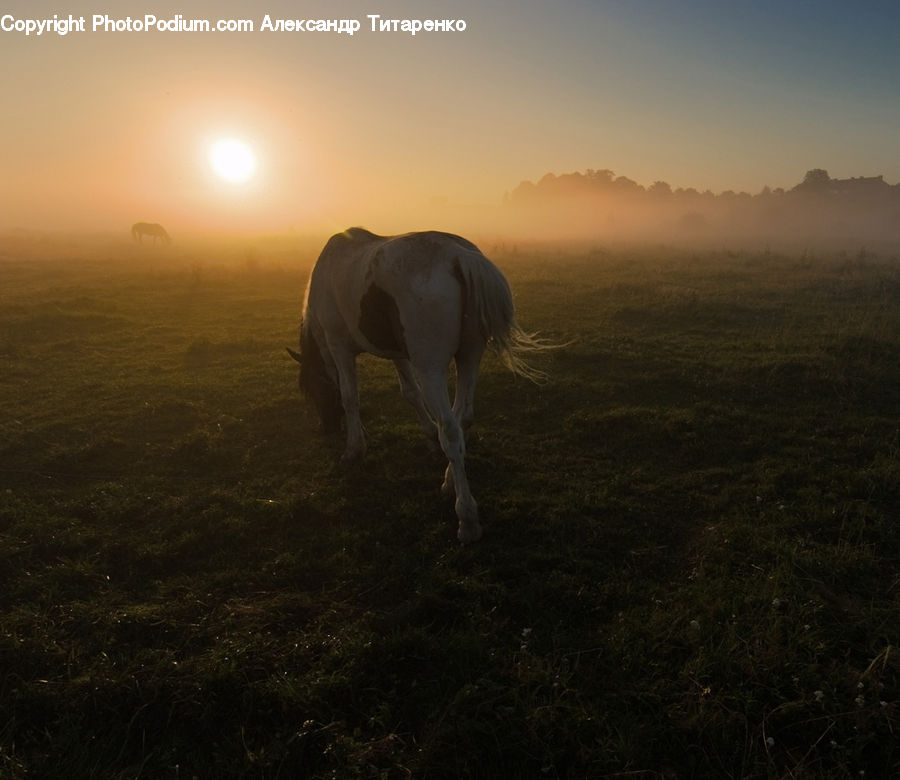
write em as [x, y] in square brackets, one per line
[101, 129]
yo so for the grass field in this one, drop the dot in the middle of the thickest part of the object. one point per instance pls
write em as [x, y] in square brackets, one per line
[691, 559]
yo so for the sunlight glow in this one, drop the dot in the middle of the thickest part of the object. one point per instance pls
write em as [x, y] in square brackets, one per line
[232, 160]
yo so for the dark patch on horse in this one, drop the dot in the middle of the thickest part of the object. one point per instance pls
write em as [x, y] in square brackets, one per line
[379, 321]
[316, 382]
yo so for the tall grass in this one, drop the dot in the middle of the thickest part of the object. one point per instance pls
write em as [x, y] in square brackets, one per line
[690, 561]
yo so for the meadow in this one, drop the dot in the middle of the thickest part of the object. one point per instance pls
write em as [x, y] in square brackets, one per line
[691, 557]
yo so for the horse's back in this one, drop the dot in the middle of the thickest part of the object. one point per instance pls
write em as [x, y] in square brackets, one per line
[149, 227]
[394, 296]
[357, 258]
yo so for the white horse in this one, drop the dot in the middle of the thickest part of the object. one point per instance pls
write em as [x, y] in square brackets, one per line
[421, 300]
[141, 229]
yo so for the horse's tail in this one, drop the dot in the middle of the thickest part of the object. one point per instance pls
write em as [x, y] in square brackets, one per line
[489, 298]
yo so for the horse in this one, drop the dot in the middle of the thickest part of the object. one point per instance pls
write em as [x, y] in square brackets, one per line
[422, 300]
[141, 229]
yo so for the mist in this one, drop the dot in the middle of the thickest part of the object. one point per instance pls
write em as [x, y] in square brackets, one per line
[596, 206]
[819, 211]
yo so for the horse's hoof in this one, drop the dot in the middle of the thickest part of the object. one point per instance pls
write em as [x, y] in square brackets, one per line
[352, 456]
[469, 533]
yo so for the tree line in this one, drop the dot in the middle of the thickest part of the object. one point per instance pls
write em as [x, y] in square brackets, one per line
[597, 202]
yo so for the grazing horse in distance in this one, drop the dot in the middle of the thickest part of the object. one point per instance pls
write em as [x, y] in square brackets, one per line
[421, 300]
[141, 229]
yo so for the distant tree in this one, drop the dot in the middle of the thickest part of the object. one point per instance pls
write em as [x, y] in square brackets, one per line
[660, 189]
[602, 177]
[571, 181]
[547, 180]
[624, 184]
[816, 179]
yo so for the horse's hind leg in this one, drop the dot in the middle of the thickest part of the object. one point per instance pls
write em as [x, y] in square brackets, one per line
[453, 443]
[345, 363]
[467, 361]
[411, 392]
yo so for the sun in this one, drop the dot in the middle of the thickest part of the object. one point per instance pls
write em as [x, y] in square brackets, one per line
[232, 160]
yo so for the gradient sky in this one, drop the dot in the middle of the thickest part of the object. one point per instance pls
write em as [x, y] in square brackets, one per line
[101, 129]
